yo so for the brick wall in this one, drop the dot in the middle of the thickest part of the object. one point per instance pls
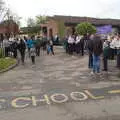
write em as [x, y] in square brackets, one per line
[9, 28]
[52, 25]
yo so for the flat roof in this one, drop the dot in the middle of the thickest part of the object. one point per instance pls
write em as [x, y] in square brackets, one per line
[95, 21]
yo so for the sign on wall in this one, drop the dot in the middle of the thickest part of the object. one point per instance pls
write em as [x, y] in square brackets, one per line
[104, 29]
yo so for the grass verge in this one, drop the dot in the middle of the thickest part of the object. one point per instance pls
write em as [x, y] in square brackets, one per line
[6, 63]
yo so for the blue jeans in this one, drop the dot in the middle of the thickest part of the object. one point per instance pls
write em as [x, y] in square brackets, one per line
[96, 63]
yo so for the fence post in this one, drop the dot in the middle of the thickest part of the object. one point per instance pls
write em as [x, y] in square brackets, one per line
[2, 51]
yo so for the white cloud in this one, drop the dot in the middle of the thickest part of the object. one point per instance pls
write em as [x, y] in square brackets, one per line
[92, 8]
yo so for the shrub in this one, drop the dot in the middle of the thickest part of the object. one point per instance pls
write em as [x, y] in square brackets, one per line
[85, 28]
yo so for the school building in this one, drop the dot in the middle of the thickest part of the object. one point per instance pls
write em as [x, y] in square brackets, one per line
[63, 25]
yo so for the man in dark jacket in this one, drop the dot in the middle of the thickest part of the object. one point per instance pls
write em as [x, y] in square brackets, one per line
[90, 51]
[97, 51]
[14, 46]
[82, 45]
[37, 46]
[21, 48]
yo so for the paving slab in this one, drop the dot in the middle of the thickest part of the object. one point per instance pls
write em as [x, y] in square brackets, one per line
[59, 87]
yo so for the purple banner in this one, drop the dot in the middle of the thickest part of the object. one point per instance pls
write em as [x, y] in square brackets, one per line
[104, 29]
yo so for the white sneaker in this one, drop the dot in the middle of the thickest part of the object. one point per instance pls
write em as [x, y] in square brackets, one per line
[92, 73]
[99, 74]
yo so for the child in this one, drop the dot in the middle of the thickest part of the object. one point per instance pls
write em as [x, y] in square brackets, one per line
[32, 54]
[48, 47]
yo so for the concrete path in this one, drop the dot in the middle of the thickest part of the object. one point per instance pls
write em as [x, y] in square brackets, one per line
[59, 87]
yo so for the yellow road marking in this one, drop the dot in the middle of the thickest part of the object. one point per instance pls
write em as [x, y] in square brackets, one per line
[59, 101]
[84, 96]
[92, 96]
[15, 105]
[2, 100]
[45, 99]
[114, 91]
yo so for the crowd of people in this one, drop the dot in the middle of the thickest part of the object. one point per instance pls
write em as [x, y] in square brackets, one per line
[108, 47]
[12, 46]
[75, 44]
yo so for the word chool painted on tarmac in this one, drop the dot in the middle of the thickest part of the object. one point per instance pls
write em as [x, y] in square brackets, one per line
[56, 98]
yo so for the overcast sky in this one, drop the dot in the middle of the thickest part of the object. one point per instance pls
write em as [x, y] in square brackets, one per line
[90, 8]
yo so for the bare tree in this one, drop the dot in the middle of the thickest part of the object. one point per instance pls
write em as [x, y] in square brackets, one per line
[1, 5]
[41, 19]
[3, 10]
[31, 22]
[17, 19]
[12, 16]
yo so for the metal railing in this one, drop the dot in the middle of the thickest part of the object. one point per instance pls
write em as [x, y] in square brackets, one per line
[2, 50]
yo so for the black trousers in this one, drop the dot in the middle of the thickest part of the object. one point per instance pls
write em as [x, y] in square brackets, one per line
[29, 52]
[22, 55]
[105, 63]
[38, 50]
[15, 53]
[66, 47]
[6, 51]
[118, 60]
[74, 47]
[70, 48]
[77, 47]
[112, 53]
[82, 50]
[33, 59]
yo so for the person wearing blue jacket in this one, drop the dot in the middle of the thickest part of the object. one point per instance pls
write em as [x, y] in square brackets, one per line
[30, 44]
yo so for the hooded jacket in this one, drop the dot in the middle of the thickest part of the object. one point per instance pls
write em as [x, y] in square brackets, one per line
[97, 46]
